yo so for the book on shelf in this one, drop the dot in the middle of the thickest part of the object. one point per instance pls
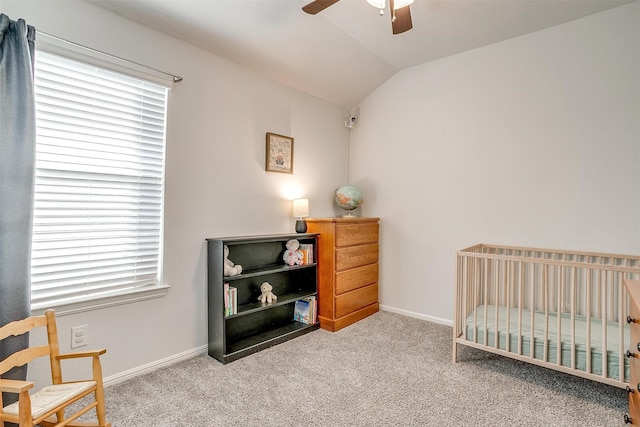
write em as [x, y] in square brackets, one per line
[314, 309]
[233, 296]
[226, 299]
[305, 310]
[307, 253]
[230, 300]
[301, 311]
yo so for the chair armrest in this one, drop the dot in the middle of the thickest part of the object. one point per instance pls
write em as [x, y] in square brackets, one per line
[90, 353]
[15, 386]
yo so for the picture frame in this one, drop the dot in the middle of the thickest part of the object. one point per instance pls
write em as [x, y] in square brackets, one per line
[279, 153]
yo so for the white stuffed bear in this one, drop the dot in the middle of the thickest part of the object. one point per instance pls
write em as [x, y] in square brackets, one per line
[230, 269]
[267, 295]
[292, 256]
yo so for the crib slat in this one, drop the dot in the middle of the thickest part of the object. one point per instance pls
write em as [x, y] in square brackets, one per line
[545, 296]
[588, 315]
[475, 299]
[612, 296]
[621, 322]
[506, 282]
[532, 310]
[573, 303]
[462, 290]
[559, 319]
[486, 293]
[603, 320]
[520, 305]
[496, 284]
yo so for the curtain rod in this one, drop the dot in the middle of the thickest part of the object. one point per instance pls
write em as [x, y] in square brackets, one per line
[176, 79]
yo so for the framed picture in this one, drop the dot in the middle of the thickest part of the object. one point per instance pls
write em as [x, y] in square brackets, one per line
[279, 155]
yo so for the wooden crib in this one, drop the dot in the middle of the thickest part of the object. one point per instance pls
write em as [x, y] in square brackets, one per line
[558, 309]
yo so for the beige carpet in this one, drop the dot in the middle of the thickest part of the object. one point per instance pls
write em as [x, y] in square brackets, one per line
[386, 370]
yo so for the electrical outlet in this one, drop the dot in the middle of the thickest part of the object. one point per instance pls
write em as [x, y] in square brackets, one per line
[78, 336]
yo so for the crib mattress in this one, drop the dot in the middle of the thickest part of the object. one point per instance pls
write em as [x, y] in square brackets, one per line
[612, 337]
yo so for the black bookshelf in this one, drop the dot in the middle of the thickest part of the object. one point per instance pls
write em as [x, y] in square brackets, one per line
[257, 326]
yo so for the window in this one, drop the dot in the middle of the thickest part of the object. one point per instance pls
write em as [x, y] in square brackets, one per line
[98, 205]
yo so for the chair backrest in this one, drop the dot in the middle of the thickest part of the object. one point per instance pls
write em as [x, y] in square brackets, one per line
[22, 357]
[47, 406]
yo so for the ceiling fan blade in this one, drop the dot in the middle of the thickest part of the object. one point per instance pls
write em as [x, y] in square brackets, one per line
[318, 6]
[400, 19]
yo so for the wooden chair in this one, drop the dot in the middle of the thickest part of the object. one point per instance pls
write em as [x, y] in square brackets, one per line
[47, 407]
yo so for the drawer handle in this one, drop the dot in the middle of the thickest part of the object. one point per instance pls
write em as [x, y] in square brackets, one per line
[630, 355]
[627, 419]
[638, 346]
[631, 320]
[629, 390]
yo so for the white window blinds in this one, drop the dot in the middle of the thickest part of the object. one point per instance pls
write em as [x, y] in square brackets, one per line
[98, 206]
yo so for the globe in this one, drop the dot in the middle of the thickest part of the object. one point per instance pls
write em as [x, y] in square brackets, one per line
[348, 199]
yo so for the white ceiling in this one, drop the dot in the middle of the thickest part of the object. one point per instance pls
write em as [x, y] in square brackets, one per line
[346, 51]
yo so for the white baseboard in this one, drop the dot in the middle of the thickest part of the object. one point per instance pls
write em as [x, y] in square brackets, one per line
[417, 315]
[149, 367]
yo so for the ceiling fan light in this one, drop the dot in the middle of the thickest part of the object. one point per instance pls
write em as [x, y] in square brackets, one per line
[401, 3]
[378, 4]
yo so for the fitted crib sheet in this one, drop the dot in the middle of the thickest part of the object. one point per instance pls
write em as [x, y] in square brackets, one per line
[612, 332]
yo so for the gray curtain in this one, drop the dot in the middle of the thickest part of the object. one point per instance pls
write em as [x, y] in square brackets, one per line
[17, 158]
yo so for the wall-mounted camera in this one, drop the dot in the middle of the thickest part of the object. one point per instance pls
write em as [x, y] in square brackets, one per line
[351, 122]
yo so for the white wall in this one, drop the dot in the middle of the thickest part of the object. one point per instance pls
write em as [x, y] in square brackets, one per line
[215, 180]
[533, 141]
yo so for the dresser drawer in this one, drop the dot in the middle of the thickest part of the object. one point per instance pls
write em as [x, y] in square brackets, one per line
[634, 334]
[634, 369]
[634, 313]
[354, 300]
[355, 278]
[634, 362]
[356, 234]
[634, 409]
[356, 256]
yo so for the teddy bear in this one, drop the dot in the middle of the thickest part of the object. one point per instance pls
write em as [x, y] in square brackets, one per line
[292, 256]
[230, 269]
[267, 295]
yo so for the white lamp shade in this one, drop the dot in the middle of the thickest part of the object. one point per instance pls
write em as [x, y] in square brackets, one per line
[378, 4]
[397, 4]
[301, 208]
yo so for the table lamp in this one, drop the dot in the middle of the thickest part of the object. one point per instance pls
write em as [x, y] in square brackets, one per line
[301, 211]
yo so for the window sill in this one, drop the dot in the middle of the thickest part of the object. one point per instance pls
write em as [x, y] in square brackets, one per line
[103, 301]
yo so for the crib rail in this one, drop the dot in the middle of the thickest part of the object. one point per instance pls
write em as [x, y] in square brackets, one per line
[560, 309]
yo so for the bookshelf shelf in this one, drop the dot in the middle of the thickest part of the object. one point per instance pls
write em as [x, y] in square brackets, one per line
[257, 325]
[266, 339]
[261, 271]
[246, 309]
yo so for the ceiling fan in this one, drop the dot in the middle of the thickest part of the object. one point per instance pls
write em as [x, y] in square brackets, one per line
[400, 13]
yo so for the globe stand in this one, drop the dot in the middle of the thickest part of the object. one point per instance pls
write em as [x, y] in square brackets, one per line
[349, 214]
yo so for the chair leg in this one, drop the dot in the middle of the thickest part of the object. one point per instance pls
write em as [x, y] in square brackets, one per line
[100, 409]
[99, 394]
[24, 410]
[60, 415]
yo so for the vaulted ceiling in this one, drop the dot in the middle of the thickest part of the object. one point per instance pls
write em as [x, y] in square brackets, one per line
[346, 51]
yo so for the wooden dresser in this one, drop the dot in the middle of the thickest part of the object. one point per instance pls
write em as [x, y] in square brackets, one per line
[633, 418]
[347, 269]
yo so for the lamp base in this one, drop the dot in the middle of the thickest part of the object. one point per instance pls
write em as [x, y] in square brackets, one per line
[301, 226]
